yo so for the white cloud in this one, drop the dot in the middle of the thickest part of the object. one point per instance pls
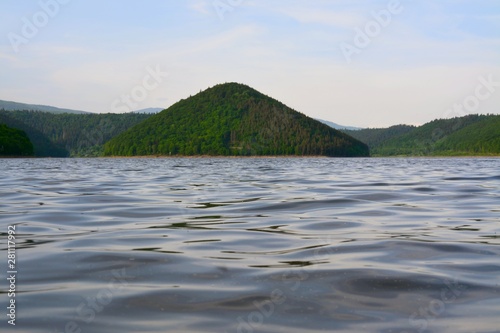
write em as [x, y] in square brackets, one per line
[200, 6]
[11, 59]
[337, 18]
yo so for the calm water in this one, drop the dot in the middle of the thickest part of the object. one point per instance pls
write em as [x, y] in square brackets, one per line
[253, 245]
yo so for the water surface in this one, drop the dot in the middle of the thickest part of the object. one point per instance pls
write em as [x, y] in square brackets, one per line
[253, 245]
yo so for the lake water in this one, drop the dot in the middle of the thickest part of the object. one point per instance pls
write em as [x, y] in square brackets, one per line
[252, 245]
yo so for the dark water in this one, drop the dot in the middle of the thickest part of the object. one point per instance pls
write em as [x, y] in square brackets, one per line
[253, 245]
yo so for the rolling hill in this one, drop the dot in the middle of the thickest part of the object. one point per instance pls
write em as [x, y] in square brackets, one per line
[468, 135]
[232, 120]
[480, 138]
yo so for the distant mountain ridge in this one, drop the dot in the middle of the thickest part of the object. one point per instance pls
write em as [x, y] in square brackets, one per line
[15, 106]
[337, 126]
[149, 110]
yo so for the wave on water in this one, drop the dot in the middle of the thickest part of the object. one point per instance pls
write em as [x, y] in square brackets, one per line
[254, 245]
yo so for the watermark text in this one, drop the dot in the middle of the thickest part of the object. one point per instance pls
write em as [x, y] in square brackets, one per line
[11, 274]
[31, 26]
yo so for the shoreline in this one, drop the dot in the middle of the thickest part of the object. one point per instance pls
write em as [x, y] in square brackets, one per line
[257, 157]
[216, 156]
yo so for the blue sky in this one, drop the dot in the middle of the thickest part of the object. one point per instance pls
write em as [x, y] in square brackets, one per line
[420, 59]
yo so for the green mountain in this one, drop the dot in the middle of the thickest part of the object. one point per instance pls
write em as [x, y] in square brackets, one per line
[14, 142]
[479, 138]
[232, 119]
[468, 135]
[63, 135]
[14, 106]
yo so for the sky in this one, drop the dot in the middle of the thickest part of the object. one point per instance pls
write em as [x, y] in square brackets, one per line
[365, 63]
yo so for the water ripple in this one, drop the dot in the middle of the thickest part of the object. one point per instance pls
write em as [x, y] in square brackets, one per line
[254, 245]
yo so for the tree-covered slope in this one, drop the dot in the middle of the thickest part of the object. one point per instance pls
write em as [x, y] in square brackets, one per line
[232, 119]
[422, 140]
[42, 145]
[468, 135]
[479, 138]
[374, 137]
[62, 135]
[14, 142]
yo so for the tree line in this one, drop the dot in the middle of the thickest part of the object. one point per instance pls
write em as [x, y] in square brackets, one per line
[467, 135]
[65, 135]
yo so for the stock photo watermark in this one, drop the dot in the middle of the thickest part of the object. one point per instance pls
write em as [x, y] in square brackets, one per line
[436, 307]
[484, 90]
[363, 37]
[139, 93]
[292, 281]
[32, 25]
[224, 6]
[11, 274]
[264, 309]
[88, 309]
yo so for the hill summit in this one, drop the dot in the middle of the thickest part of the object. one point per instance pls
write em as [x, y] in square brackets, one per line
[232, 119]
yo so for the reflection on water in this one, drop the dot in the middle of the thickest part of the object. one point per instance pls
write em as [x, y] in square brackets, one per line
[254, 245]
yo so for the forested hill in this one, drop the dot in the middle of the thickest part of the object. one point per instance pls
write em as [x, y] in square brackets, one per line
[14, 142]
[232, 119]
[468, 135]
[63, 135]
